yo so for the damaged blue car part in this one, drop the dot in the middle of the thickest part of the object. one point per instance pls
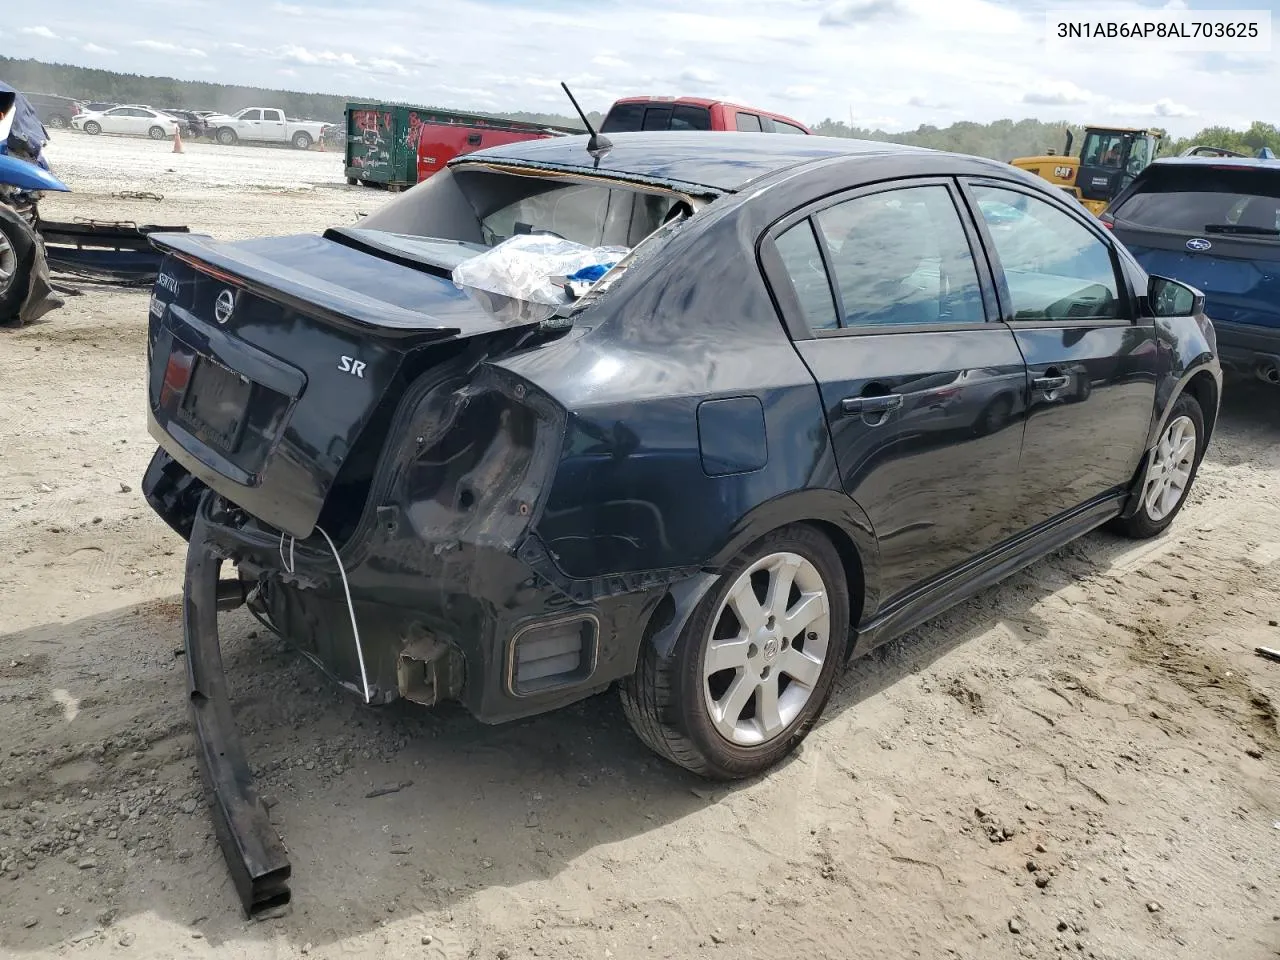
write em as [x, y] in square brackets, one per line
[30, 247]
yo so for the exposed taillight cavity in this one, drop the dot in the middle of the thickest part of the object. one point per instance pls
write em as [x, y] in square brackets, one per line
[484, 452]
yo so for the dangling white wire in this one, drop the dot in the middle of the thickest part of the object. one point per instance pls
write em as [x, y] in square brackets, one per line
[351, 609]
[289, 564]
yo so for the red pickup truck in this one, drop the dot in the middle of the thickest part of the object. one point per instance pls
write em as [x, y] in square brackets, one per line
[438, 143]
[694, 113]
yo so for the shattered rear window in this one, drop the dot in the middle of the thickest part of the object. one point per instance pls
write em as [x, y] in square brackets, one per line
[456, 221]
[488, 206]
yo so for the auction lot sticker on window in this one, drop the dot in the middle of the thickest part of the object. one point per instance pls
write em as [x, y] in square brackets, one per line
[1227, 31]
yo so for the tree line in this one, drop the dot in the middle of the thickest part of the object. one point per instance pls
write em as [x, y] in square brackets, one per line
[1000, 140]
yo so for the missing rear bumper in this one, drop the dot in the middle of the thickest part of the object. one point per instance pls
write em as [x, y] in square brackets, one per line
[253, 850]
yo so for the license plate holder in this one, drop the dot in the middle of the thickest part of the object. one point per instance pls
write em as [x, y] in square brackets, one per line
[216, 404]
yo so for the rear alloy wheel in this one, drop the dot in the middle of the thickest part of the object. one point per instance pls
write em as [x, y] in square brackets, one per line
[92, 127]
[227, 137]
[754, 665]
[156, 133]
[302, 140]
[59, 122]
[1171, 472]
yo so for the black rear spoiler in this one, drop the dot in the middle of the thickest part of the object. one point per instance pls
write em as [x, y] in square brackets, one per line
[300, 291]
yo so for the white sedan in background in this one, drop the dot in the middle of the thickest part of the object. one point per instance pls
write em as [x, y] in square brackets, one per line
[130, 119]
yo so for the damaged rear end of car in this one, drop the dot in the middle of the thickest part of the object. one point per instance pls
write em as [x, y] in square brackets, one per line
[336, 423]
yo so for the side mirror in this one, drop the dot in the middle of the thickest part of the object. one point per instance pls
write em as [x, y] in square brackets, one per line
[1169, 298]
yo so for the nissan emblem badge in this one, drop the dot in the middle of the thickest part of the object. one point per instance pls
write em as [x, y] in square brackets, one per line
[223, 306]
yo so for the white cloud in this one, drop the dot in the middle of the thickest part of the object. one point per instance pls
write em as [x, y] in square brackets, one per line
[381, 65]
[1057, 93]
[94, 48]
[1164, 108]
[699, 76]
[289, 9]
[854, 13]
[44, 32]
[799, 92]
[606, 60]
[160, 46]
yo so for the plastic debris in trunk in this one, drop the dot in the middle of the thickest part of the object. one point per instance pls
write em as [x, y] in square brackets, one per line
[533, 270]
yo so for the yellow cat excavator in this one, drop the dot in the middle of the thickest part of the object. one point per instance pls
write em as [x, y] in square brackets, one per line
[1110, 157]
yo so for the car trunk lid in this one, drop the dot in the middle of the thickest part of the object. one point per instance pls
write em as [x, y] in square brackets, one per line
[274, 362]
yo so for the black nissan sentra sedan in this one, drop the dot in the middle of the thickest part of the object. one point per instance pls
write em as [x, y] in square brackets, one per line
[833, 388]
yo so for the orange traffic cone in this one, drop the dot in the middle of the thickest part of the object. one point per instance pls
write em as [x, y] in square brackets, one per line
[177, 140]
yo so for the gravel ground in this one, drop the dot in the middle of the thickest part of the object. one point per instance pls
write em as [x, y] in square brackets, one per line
[1082, 761]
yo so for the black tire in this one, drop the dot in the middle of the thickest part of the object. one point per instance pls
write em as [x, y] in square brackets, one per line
[92, 127]
[302, 140]
[156, 133]
[1142, 525]
[352, 181]
[227, 137]
[22, 242]
[59, 122]
[664, 702]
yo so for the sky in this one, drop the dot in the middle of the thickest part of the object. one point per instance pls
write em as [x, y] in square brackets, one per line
[891, 64]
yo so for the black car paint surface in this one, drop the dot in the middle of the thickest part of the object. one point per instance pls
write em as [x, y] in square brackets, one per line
[689, 410]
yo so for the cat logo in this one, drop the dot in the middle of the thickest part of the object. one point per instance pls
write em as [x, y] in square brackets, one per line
[1062, 173]
[352, 366]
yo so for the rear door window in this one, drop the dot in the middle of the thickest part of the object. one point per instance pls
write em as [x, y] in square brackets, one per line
[748, 123]
[802, 259]
[1198, 200]
[901, 257]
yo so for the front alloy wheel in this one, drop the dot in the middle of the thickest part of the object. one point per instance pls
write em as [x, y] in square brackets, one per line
[1171, 471]
[753, 665]
[1171, 466]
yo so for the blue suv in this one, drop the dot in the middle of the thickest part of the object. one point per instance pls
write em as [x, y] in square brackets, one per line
[1214, 223]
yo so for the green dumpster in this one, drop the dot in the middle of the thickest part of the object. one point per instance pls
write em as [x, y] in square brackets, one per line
[382, 148]
[382, 139]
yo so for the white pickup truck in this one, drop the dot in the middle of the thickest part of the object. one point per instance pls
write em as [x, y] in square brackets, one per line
[264, 125]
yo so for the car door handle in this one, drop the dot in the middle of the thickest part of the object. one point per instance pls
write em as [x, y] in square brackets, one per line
[881, 404]
[1049, 384]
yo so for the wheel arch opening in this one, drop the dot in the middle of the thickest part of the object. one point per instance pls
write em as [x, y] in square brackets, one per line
[1204, 390]
[854, 572]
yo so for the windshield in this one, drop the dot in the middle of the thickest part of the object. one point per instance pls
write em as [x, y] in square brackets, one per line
[1198, 199]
